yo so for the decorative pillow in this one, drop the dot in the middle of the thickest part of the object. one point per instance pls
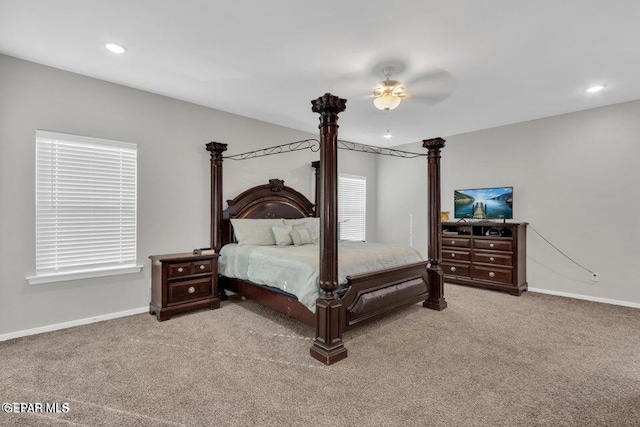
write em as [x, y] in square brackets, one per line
[313, 233]
[301, 236]
[255, 231]
[281, 233]
[312, 223]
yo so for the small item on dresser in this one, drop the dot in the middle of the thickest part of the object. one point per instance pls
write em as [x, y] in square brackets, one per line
[492, 232]
[197, 251]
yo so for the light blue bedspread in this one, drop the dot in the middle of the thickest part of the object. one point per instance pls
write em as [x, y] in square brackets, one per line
[294, 269]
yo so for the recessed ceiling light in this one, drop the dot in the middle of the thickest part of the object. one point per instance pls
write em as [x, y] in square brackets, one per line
[115, 48]
[596, 88]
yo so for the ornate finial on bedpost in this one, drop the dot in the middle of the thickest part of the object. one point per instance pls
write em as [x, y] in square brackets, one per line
[436, 299]
[329, 106]
[435, 144]
[216, 149]
[330, 314]
[276, 184]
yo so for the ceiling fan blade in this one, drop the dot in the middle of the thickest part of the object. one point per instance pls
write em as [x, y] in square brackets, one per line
[432, 98]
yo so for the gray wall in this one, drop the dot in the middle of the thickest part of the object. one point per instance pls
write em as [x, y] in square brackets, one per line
[575, 180]
[173, 180]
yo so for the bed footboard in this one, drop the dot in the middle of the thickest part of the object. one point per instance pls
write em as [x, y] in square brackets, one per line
[384, 291]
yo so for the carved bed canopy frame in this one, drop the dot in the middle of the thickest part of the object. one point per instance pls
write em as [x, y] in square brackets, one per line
[368, 294]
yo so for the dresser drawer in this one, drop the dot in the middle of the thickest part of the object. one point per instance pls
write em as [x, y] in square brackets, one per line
[496, 245]
[456, 242]
[189, 290]
[460, 256]
[492, 274]
[179, 269]
[456, 269]
[492, 258]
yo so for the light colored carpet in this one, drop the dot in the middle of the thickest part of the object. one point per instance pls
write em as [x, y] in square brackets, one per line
[490, 359]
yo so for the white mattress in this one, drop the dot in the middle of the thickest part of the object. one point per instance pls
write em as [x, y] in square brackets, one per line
[294, 269]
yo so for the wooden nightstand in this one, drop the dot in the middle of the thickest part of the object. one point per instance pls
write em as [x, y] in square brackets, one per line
[182, 282]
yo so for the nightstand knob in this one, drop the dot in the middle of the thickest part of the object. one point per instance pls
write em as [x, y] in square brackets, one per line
[453, 255]
[453, 269]
[191, 290]
[491, 259]
[180, 270]
[491, 245]
[492, 274]
[453, 242]
[202, 267]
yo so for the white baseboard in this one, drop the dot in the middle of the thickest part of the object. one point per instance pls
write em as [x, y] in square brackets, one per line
[64, 325]
[586, 297]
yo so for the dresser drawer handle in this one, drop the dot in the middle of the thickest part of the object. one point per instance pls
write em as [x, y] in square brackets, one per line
[492, 274]
[191, 290]
[453, 255]
[202, 267]
[491, 258]
[453, 269]
[180, 270]
[491, 245]
[453, 242]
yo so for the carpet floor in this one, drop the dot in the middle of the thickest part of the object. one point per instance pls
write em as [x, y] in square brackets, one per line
[489, 359]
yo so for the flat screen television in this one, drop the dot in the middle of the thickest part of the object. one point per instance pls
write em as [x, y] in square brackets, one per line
[484, 203]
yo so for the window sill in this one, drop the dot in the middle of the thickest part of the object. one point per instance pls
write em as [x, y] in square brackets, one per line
[86, 274]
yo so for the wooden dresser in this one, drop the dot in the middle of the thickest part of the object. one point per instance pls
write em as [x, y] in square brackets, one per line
[181, 282]
[486, 254]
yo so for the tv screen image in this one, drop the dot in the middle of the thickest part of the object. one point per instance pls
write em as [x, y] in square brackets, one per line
[484, 203]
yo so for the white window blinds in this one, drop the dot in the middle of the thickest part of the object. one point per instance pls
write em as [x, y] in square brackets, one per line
[352, 204]
[86, 196]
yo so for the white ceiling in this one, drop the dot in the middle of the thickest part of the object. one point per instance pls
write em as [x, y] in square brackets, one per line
[500, 61]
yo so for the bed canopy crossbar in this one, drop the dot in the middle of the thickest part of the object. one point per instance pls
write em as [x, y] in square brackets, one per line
[334, 312]
[314, 145]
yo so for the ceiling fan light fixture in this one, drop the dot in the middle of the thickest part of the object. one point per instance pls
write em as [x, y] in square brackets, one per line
[387, 101]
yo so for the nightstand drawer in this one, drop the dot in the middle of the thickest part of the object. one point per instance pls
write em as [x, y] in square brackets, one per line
[495, 245]
[205, 266]
[179, 269]
[493, 274]
[189, 289]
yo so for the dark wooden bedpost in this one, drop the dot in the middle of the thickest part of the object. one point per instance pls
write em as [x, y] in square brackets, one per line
[328, 346]
[436, 299]
[316, 166]
[216, 149]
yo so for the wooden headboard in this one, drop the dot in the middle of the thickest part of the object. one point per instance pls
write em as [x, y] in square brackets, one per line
[273, 200]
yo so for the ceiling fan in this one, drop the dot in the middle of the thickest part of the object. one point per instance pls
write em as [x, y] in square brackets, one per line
[388, 93]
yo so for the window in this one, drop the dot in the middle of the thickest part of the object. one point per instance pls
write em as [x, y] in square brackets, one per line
[352, 207]
[86, 197]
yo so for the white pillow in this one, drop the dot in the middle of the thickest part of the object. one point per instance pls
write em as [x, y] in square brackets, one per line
[281, 233]
[312, 223]
[301, 236]
[255, 231]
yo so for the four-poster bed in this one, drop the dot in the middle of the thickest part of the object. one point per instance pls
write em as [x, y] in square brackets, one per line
[366, 295]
